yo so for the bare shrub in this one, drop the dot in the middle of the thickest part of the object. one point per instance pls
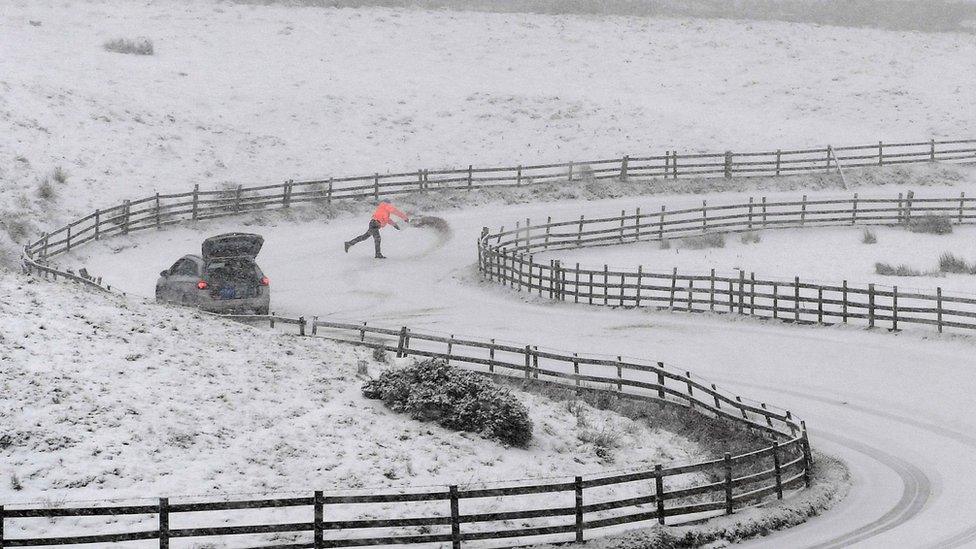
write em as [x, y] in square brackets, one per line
[950, 263]
[15, 482]
[750, 237]
[604, 440]
[711, 240]
[60, 175]
[46, 190]
[885, 269]
[138, 46]
[930, 224]
[379, 355]
[869, 237]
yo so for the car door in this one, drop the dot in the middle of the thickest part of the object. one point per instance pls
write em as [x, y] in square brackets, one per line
[181, 284]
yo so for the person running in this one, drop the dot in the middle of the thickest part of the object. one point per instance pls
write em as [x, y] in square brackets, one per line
[380, 219]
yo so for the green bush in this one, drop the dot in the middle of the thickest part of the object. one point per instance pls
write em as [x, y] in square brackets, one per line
[456, 399]
[902, 270]
[931, 224]
[949, 263]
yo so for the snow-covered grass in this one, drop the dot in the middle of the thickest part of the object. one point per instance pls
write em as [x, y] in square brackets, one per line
[315, 92]
[108, 397]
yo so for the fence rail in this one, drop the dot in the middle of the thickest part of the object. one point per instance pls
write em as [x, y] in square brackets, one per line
[508, 257]
[572, 507]
[158, 210]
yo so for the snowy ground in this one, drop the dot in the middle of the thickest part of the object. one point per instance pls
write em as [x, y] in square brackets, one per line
[305, 94]
[902, 429]
[255, 94]
[112, 398]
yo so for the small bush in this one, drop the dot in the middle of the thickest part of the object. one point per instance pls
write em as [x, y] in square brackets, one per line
[712, 240]
[456, 399]
[60, 175]
[901, 270]
[869, 237]
[45, 190]
[604, 441]
[750, 238]
[949, 263]
[139, 46]
[379, 355]
[930, 224]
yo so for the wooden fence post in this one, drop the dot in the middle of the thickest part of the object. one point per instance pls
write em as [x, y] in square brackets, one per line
[576, 286]
[880, 153]
[908, 206]
[570, 178]
[606, 284]
[894, 308]
[901, 218]
[301, 325]
[620, 374]
[938, 307]
[470, 175]
[518, 176]
[728, 484]
[640, 274]
[962, 203]
[637, 225]
[674, 164]
[870, 305]
[125, 218]
[796, 299]
[932, 150]
[752, 294]
[237, 198]
[728, 164]
[775, 300]
[578, 485]
[776, 467]
[400, 341]
[528, 361]
[854, 210]
[691, 294]
[742, 283]
[329, 195]
[659, 492]
[623, 220]
[271, 319]
[455, 519]
[660, 225]
[704, 216]
[691, 392]
[674, 283]
[579, 234]
[820, 305]
[315, 327]
[623, 167]
[844, 302]
[491, 356]
[711, 290]
[196, 201]
[718, 403]
[158, 220]
[286, 193]
[548, 230]
[163, 523]
[667, 163]
[317, 526]
[750, 212]
[67, 240]
[376, 186]
[535, 362]
[779, 154]
[803, 211]
[660, 381]
[98, 221]
[576, 371]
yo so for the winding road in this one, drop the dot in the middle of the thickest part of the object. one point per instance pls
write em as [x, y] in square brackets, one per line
[897, 407]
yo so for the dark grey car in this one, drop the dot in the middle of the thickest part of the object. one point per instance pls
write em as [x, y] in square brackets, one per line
[224, 278]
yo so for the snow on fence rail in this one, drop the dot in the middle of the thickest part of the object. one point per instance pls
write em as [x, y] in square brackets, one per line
[507, 256]
[572, 506]
[165, 209]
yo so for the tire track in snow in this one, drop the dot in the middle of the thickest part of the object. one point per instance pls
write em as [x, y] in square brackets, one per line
[908, 472]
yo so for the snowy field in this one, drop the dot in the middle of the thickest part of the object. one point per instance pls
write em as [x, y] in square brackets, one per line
[862, 392]
[238, 94]
[251, 94]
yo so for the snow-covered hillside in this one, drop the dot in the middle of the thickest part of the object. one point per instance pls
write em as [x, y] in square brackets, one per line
[103, 396]
[256, 94]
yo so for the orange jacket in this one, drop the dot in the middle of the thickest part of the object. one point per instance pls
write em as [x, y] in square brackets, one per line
[383, 212]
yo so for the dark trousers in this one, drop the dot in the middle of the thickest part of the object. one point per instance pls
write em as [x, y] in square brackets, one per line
[372, 231]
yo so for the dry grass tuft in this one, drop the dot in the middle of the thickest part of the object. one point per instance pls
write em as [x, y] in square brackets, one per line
[869, 237]
[138, 46]
[930, 224]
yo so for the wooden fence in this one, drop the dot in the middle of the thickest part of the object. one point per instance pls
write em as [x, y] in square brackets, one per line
[570, 508]
[507, 256]
[164, 209]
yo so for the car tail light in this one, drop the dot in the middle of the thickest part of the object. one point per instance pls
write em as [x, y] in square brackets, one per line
[202, 285]
[265, 281]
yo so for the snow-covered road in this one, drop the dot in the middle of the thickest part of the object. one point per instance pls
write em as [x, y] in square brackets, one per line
[895, 407]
